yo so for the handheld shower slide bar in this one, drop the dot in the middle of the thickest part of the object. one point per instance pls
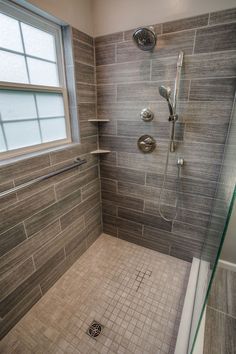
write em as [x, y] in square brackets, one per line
[165, 92]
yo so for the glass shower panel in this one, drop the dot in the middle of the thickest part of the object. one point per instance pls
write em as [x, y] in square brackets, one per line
[221, 209]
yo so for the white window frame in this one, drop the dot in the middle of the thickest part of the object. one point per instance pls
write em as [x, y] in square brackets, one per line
[26, 16]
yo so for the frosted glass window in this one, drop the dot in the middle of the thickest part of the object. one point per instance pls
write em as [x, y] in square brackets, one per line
[53, 129]
[38, 43]
[2, 143]
[50, 105]
[13, 68]
[42, 73]
[17, 105]
[21, 134]
[10, 37]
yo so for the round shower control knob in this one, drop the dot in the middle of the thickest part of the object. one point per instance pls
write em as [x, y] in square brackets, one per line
[146, 115]
[146, 143]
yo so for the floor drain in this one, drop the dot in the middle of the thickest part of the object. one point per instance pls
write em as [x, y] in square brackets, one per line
[94, 329]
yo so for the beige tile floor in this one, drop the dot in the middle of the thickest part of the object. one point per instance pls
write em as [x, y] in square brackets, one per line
[137, 295]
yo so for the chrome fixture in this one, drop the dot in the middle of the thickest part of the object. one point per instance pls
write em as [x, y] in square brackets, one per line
[146, 143]
[146, 115]
[165, 92]
[145, 38]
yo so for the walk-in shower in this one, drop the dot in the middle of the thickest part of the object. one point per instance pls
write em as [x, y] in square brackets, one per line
[145, 38]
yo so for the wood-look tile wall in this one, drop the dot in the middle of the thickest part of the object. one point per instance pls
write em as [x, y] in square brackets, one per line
[127, 81]
[46, 227]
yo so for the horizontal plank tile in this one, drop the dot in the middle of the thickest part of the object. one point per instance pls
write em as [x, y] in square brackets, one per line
[91, 188]
[48, 215]
[49, 249]
[105, 54]
[106, 93]
[109, 208]
[83, 52]
[223, 16]
[24, 250]
[87, 111]
[191, 231]
[123, 201]
[86, 93]
[186, 23]
[144, 218]
[19, 310]
[24, 209]
[125, 72]
[122, 174]
[216, 38]
[81, 36]
[73, 183]
[108, 185]
[12, 238]
[78, 211]
[28, 285]
[84, 73]
[16, 277]
[23, 167]
[109, 38]
[123, 224]
[208, 133]
[162, 247]
[212, 90]
[211, 112]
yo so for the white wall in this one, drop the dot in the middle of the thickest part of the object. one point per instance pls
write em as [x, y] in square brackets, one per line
[116, 15]
[77, 13]
[229, 248]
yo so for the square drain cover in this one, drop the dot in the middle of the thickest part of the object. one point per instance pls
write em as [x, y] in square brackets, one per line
[94, 329]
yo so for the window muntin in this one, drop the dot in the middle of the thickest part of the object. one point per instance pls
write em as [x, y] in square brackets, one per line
[33, 96]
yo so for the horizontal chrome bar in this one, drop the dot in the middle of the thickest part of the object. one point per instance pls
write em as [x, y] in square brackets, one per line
[77, 162]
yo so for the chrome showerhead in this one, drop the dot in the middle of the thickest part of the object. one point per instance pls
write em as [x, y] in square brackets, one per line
[165, 92]
[145, 38]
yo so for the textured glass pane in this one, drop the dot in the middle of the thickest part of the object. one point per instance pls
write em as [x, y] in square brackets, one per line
[42, 73]
[50, 105]
[17, 105]
[38, 43]
[13, 68]
[10, 37]
[53, 129]
[2, 143]
[22, 134]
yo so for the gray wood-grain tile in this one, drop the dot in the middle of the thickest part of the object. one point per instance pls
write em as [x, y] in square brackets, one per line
[105, 54]
[110, 38]
[84, 73]
[124, 72]
[83, 53]
[122, 174]
[223, 16]
[212, 89]
[81, 36]
[185, 24]
[11, 238]
[123, 201]
[216, 38]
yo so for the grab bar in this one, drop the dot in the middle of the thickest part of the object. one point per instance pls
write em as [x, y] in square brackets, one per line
[77, 162]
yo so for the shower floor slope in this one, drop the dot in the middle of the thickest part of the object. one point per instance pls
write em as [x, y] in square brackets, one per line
[136, 294]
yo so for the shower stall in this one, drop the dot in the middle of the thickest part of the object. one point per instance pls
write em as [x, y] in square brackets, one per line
[109, 244]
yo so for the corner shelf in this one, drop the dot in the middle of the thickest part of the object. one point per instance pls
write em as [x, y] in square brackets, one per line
[100, 151]
[99, 120]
